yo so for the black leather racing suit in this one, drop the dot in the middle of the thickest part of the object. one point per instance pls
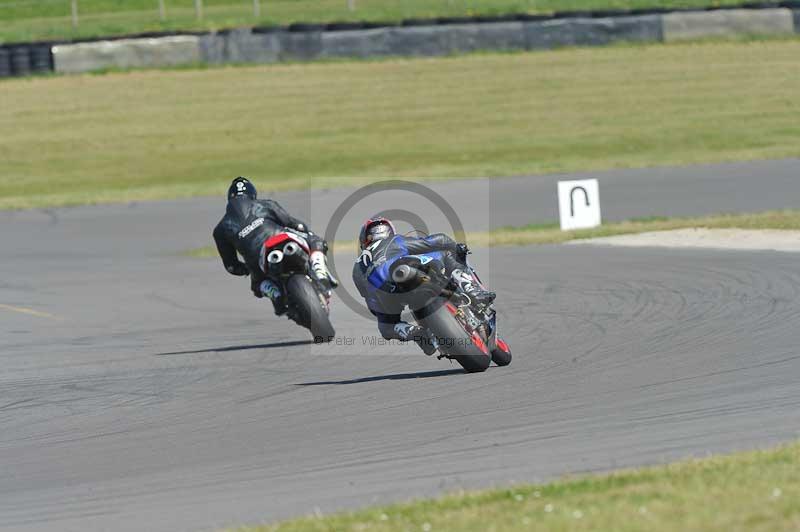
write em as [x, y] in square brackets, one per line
[385, 310]
[247, 224]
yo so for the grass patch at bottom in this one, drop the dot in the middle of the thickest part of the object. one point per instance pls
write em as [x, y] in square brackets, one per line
[552, 234]
[748, 491]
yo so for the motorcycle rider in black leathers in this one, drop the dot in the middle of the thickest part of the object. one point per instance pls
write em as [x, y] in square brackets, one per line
[379, 242]
[247, 224]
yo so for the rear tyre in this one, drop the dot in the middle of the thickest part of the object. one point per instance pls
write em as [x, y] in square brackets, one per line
[309, 309]
[473, 363]
[455, 342]
[501, 354]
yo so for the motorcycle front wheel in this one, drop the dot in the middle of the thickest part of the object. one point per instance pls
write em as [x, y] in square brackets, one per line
[502, 354]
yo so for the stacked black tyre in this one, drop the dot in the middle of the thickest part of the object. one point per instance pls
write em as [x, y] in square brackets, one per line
[41, 58]
[25, 59]
[5, 62]
[20, 61]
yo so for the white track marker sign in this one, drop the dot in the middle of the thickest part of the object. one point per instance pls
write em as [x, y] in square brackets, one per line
[579, 204]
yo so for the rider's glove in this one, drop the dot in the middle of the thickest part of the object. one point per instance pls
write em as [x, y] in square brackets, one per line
[239, 269]
[462, 250]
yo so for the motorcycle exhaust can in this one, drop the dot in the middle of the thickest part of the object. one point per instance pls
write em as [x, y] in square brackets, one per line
[290, 249]
[403, 274]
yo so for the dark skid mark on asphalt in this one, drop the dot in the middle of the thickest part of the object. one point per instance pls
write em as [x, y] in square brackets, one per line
[276, 345]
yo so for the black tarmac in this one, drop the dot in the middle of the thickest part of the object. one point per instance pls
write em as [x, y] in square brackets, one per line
[144, 390]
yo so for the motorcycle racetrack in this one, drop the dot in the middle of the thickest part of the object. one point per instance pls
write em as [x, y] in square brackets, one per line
[141, 389]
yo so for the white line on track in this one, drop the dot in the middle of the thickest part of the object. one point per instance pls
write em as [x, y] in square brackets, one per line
[30, 312]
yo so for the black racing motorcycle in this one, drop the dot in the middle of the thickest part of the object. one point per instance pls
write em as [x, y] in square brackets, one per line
[465, 331]
[285, 260]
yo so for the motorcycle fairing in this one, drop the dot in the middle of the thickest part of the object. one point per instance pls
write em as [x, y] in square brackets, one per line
[281, 238]
[380, 275]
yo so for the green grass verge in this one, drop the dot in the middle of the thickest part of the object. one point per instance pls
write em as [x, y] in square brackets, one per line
[165, 134]
[752, 492]
[50, 19]
[552, 234]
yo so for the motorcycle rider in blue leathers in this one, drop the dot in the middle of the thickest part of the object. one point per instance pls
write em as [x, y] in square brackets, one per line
[380, 243]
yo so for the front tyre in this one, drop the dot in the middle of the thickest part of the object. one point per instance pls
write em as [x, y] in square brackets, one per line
[501, 355]
[310, 308]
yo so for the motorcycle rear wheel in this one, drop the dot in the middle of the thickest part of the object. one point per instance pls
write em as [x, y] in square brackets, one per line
[455, 342]
[310, 312]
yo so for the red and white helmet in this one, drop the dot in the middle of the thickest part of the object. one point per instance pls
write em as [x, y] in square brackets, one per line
[376, 228]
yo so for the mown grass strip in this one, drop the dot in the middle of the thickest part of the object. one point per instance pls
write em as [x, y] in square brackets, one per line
[754, 491]
[48, 19]
[552, 234]
[165, 134]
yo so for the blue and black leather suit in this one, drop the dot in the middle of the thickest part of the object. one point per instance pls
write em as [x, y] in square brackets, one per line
[371, 273]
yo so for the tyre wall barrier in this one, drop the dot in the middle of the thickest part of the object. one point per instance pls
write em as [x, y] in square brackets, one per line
[41, 58]
[5, 63]
[461, 38]
[25, 59]
[20, 61]
[302, 42]
[240, 46]
[593, 31]
[724, 23]
[127, 53]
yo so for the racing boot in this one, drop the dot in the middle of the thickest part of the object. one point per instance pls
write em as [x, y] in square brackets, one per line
[273, 292]
[420, 335]
[319, 267]
[474, 290]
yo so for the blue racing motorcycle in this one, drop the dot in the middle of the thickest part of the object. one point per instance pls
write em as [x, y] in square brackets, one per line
[464, 330]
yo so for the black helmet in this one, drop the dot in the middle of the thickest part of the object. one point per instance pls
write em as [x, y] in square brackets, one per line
[376, 228]
[241, 186]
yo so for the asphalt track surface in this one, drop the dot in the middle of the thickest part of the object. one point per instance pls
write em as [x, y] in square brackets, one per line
[143, 390]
